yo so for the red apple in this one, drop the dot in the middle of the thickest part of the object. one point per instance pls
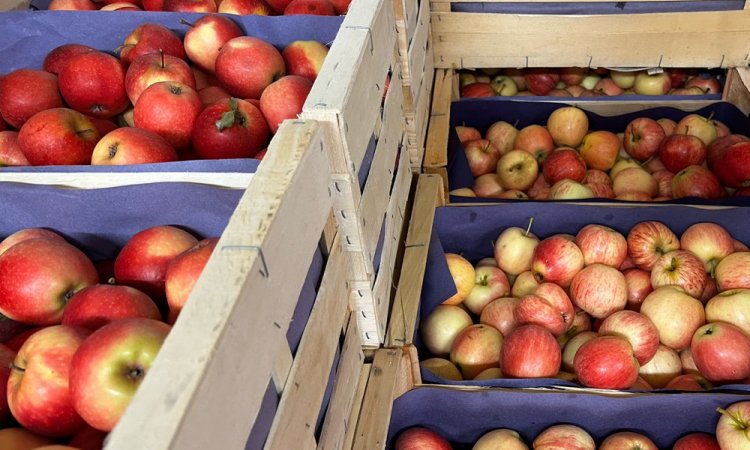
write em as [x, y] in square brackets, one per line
[168, 109]
[142, 263]
[639, 286]
[564, 436]
[466, 134]
[38, 389]
[283, 99]
[675, 314]
[599, 290]
[487, 186]
[128, 145]
[246, 65]
[602, 244]
[482, 157]
[109, 367]
[668, 125]
[25, 92]
[710, 242]
[696, 181]
[708, 83]
[689, 382]
[217, 134]
[196, 6]
[310, 7]
[97, 305]
[599, 149]
[557, 259]
[278, 5]
[663, 180]
[536, 140]
[477, 90]
[732, 166]
[716, 150]
[606, 86]
[441, 326]
[530, 351]
[475, 349]
[37, 278]
[536, 310]
[245, 7]
[540, 81]
[680, 268]
[696, 441]
[564, 163]
[304, 58]
[183, 272]
[721, 352]
[89, 438]
[606, 362]
[6, 359]
[568, 125]
[572, 76]
[560, 301]
[212, 94]
[503, 136]
[648, 240]
[151, 68]
[627, 440]
[71, 5]
[733, 272]
[420, 438]
[491, 283]
[206, 36]
[10, 151]
[679, 151]
[94, 83]
[149, 38]
[642, 138]
[500, 314]
[637, 329]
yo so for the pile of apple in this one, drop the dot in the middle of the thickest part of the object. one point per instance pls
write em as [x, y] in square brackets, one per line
[240, 7]
[653, 160]
[217, 94]
[642, 311]
[92, 330]
[730, 435]
[582, 82]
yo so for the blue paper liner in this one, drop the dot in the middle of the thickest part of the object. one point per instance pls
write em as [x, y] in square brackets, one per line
[471, 231]
[481, 113]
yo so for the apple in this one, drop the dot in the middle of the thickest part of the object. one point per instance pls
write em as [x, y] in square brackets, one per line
[477, 90]
[557, 259]
[663, 367]
[709, 242]
[10, 151]
[716, 150]
[37, 278]
[25, 92]
[679, 151]
[71, 5]
[606, 86]
[688, 362]
[567, 189]
[642, 138]
[120, 6]
[38, 386]
[97, 305]
[599, 149]
[721, 352]
[638, 283]
[441, 327]
[571, 348]
[129, 145]
[442, 368]
[599, 290]
[539, 81]
[109, 366]
[536, 140]
[464, 277]
[572, 76]
[514, 249]
[245, 7]
[588, 83]
[206, 36]
[493, 373]
[654, 165]
[648, 240]
[341, 6]
[568, 125]
[564, 163]
[88, 438]
[517, 169]
[149, 38]
[696, 441]
[622, 164]
[731, 306]
[733, 272]
[732, 165]
[668, 125]
[530, 351]
[476, 348]
[501, 314]
[663, 180]
[627, 440]
[559, 300]
[482, 157]
[6, 359]
[61, 55]
[183, 272]
[94, 83]
[283, 99]
[502, 135]
[462, 192]
[504, 86]
[490, 283]
[304, 58]
[625, 80]
[487, 186]
[602, 244]
[698, 126]
[707, 83]
[656, 84]
[680, 268]
[246, 65]
[197, 6]
[142, 263]
[416, 438]
[564, 436]
[731, 430]
[534, 309]
[310, 7]
[500, 438]
[675, 314]
[606, 362]
[169, 109]
[466, 134]
[689, 382]
[151, 68]
[638, 330]
[219, 134]
[634, 180]
[696, 181]
[17, 438]
[540, 189]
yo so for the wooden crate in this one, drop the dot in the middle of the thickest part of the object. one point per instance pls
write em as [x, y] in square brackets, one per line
[736, 91]
[231, 336]
[366, 136]
[475, 40]
[14, 5]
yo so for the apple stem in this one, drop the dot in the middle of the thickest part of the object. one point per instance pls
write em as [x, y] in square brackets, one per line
[687, 128]
[185, 22]
[84, 131]
[528, 228]
[13, 366]
[710, 116]
[161, 54]
[515, 125]
[736, 419]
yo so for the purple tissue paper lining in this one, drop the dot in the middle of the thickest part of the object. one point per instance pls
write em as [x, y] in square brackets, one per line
[471, 231]
[463, 417]
[482, 113]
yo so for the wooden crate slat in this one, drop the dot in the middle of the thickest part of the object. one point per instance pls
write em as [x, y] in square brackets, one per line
[263, 254]
[364, 377]
[437, 131]
[737, 88]
[281, 368]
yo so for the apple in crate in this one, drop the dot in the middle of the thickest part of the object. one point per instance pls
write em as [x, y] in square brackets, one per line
[310, 7]
[601, 244]
[642, 138]
[304, 58]
[283, 99]
[420, 438]
[196, 6]
[679, 151]
[648, 240]
[599, 149]
[656, 84]
[246, 65]
[501, 314]
[206, 36]
[689, 382]
[229, 128]
[530, 351]
[536, 140]
[482, 157]
[557, 259]
[150, 38]
[680, 268]
[169, 109]
[463, 275]
[564, 436]
[637, 329]
[58, 136]
[38, 387]
[183, 272]
[732, 165]
[721, 352]
[129, 145]
[733, 272]
[490, 283]
[696, 181]
[142, 263]
[606, 362]
[696, 125]
[514, 249]
[571, 348]
[110, 365]
[25, 92]
[278, 5]
[675, 314]
[731, 430]
[627, 440]
[477, 90]
[245, 7]
[541, 81]
[504, 438]
[97, 305]
[151, 68]
[10, 151]
[564, 163]
[660, 370]
[442, 368]
[441, 327]
[71, 5]
[37, 278]
[93, 83]
[88, 438]
[476, 348]
[568, 125]
[732, 306]
[696, 441]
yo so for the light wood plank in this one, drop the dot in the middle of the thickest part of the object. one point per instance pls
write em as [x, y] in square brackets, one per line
[405, 309]
[241, 305]
[737, 88]
[351, 431]
[438, 127]
[418, 54]
[281, 368]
